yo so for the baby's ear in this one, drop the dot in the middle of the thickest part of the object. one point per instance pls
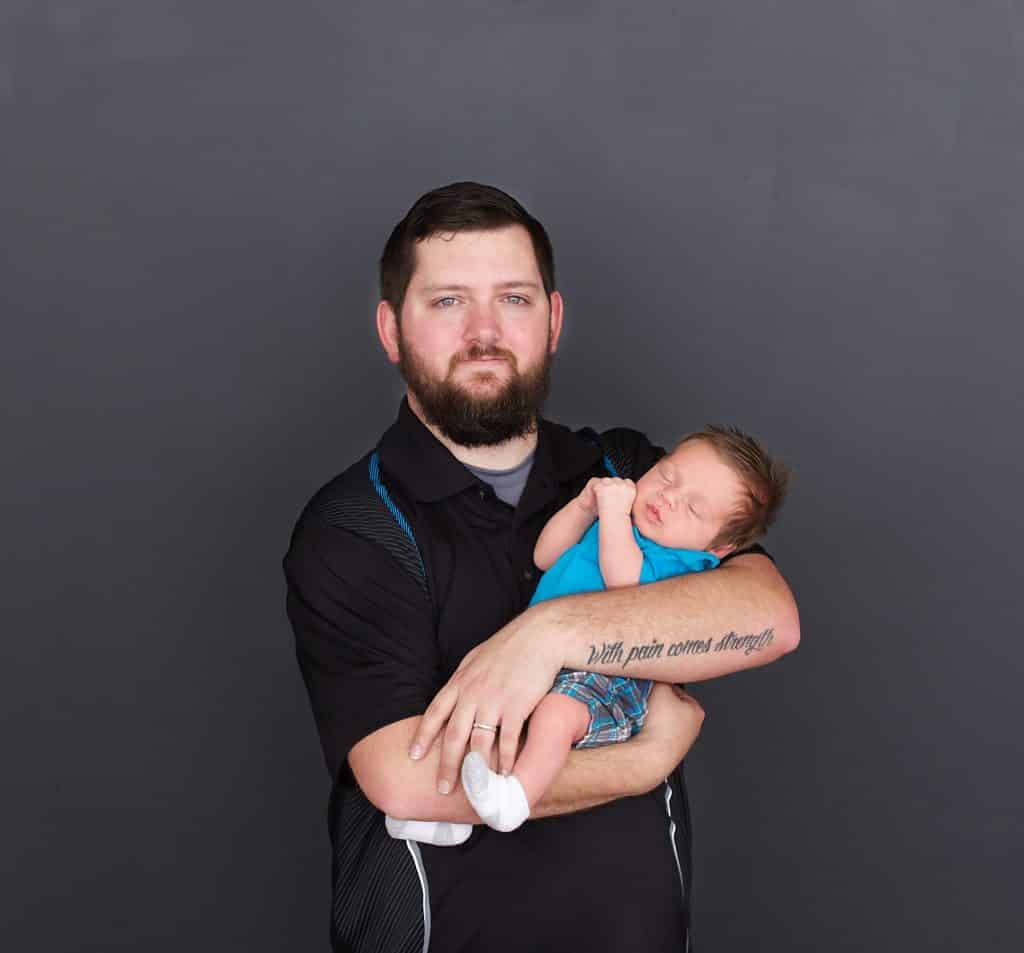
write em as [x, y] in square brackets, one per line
[722, 551]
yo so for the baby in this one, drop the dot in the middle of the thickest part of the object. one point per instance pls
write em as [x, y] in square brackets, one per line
[716, 492]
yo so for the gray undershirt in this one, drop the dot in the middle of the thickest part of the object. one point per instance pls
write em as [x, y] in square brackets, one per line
[508, 485]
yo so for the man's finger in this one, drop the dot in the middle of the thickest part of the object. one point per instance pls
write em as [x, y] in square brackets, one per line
[482, 737]
[433, 721]
[508, 744]
[453, 749]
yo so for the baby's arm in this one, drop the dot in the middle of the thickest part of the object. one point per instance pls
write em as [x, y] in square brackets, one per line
[619, 555]
[566, 527]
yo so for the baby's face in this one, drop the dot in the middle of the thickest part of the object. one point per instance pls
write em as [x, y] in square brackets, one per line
[684, 500]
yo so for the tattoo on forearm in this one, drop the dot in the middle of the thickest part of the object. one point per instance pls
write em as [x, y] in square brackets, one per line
[611, 652]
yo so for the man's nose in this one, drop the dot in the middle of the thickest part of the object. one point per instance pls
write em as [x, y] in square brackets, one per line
[482, 324]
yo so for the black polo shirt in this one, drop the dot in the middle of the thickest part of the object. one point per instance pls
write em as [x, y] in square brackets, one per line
[373, 650]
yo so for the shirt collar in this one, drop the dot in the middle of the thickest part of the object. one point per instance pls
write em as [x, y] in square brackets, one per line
[411, 454]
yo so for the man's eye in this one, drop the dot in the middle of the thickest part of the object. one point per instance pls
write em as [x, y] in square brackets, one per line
[445, 302]
[516, 299]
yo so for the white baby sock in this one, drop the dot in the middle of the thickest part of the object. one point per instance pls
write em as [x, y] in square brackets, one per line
[500, 801]
[438, 833]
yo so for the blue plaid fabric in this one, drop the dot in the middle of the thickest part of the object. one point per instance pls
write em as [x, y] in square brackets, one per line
[618, 706]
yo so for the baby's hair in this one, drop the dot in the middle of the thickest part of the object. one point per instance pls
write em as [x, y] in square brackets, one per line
[766, 482]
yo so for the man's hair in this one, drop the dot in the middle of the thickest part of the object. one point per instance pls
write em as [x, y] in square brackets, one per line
[765, 481]
[459, 207]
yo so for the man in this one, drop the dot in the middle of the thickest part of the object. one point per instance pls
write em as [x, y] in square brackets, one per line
[401, 681]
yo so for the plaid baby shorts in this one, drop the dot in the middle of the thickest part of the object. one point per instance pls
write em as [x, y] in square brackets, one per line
[618, 706]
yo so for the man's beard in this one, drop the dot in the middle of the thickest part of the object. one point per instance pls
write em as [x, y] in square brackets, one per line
[472, 421]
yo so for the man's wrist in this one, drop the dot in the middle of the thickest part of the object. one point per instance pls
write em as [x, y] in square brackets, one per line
[551, 634]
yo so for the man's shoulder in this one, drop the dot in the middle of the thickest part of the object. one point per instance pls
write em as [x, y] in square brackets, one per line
[625, 435]
[627, 438]
[359, 507]
[351, 487]
[630, 451]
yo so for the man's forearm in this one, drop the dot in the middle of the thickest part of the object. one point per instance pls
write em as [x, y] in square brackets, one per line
[595, 776]
[684, 629]
[407, 789]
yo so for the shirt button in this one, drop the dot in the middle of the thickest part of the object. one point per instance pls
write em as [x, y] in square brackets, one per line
[528, 574]
[482, 493]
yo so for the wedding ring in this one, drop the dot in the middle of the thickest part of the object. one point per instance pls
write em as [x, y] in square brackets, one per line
[480, 724]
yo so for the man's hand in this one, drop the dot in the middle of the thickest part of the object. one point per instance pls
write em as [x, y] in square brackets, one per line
[674, 718]
[498, 683]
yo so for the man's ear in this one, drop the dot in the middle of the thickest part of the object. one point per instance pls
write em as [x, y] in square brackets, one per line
[555, 331]
[387, 330]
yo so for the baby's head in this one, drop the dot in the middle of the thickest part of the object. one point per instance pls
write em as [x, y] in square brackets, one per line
[718, 491]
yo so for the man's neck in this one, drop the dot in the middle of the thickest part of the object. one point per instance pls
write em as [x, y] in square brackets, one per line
[502, 456]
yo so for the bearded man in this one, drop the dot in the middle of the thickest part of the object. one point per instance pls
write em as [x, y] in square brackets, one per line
[404, 675]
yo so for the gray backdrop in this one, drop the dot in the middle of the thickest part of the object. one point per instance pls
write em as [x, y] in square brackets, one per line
[800, 216]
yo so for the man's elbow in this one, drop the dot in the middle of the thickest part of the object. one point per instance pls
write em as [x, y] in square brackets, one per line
[777, 600]
[395, 800]
[394, 803]
[382, 795]
[786, 631]
[390, 781]
[375, 768]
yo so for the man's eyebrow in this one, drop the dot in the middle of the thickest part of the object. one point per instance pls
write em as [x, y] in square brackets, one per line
[503, 286]
[433, 289]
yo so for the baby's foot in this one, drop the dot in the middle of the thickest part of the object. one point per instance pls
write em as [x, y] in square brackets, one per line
[500, 801]
[438, 833]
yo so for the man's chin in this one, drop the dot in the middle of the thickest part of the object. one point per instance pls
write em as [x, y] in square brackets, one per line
[479, 416]
[477, 405]
[496, 375]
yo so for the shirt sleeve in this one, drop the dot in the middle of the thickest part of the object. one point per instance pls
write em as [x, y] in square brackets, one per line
[364, 636]
[660, 562]
[756, 548]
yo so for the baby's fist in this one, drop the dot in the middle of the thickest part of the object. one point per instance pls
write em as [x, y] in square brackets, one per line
[614, 495]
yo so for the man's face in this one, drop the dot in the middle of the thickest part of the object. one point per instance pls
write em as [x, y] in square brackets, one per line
[476, 335]
[684, 500]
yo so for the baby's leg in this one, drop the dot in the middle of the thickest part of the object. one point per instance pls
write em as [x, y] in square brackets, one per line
[504, 802]
[555, 725]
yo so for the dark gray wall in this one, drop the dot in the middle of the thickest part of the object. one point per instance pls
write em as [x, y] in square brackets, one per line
[800, 216]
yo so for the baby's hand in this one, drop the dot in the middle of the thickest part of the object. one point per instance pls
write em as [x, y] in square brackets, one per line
[614, 495]
[587, 500]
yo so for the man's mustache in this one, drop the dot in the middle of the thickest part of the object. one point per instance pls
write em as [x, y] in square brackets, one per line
[482, 353]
